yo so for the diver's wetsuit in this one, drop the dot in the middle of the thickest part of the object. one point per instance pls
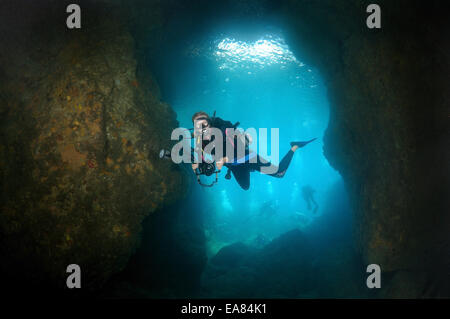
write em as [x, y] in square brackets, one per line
[308, 196]
[241, 171]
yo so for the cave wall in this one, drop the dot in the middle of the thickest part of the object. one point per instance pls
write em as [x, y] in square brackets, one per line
[81, 128]
[387, 134]
[171, 257]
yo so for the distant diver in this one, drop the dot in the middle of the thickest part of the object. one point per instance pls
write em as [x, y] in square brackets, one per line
[268, 209]
[308, 196]
[260, 240]
[241, 167]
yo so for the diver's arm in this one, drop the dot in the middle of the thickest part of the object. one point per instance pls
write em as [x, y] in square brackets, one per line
[248, 138]
[220, 163]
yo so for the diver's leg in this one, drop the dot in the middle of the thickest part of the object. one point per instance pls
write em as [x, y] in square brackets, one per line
[263, 163]
[242, 175]
[284, 164]
[315, 209]
[316, 206]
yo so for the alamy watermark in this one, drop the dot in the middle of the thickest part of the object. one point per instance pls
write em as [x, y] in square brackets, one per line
[373, 21]
[74, 279]
[73, 21]
[374, 279]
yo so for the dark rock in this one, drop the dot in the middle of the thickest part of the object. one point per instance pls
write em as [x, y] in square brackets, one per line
[231, 255]
[78, 148]
[170, 259]
[386, 135]
[283, 268]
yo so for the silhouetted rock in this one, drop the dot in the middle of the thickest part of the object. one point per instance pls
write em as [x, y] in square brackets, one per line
[79, 145]
[230, 256]
[386, 134]
[283, 268]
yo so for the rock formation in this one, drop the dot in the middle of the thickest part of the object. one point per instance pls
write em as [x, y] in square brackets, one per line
[387, 134]
[82, 121]
[80, 137]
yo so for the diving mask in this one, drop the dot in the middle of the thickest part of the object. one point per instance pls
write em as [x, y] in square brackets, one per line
[201, 124]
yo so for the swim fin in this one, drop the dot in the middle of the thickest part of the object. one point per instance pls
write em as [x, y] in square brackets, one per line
[301, 144]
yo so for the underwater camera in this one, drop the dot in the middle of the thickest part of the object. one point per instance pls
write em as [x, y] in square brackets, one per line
[204, 168]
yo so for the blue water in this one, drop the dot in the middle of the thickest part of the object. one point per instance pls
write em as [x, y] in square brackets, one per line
[256, 79]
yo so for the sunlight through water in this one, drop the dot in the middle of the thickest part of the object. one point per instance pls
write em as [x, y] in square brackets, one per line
[269, 50]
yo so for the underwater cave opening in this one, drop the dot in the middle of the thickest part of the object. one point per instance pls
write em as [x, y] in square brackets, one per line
[247, 73]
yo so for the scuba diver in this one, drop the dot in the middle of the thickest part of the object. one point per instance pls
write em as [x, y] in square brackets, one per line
[260, 240]
[240, 168]
[308, 196]
[268, 209]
